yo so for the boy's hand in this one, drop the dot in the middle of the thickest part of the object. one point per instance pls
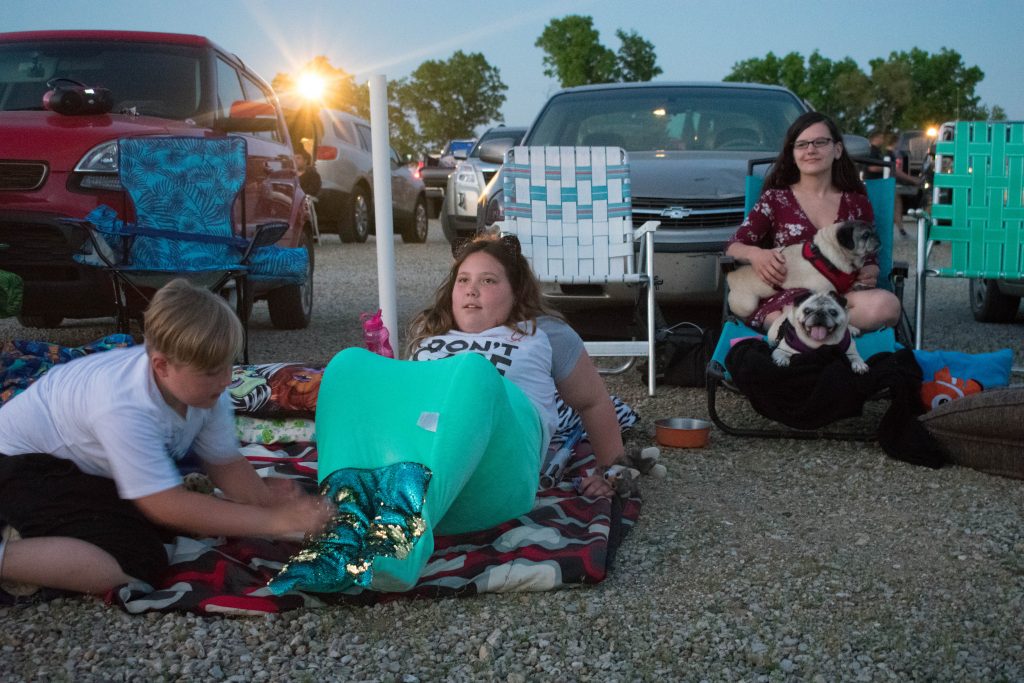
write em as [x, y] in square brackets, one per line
[301, 516]
[282, 490]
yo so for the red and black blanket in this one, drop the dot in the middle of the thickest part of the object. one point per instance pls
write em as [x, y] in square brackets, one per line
[566, 539]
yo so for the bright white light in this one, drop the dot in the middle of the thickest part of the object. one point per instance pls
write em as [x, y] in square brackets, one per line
[311, 86]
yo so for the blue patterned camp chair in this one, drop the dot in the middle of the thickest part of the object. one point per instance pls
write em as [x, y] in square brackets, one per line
[978, 211]
[892, 275]
[183, 192]
[570, 207]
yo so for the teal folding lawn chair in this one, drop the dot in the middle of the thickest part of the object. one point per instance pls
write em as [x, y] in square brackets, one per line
[978, 211]
[182, 192]
[892, 275]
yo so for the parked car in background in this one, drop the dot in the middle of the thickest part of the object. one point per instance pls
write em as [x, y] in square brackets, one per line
[467, 182]
[345, 201]
[56, 165]
[435, 169]
[688, 146]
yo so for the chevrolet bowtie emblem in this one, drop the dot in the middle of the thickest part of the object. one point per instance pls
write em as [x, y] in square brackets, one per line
[676, 212]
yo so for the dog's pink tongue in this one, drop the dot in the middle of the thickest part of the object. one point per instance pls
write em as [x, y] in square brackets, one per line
[818, 333]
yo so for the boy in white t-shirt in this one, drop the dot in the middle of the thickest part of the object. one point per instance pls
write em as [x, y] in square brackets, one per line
[88, 475]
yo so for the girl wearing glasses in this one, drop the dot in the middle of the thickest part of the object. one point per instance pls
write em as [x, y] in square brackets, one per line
[812, 183]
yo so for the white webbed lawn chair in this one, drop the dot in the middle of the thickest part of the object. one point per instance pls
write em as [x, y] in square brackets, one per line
[571, 210]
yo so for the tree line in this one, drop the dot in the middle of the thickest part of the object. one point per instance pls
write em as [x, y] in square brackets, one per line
[451, 98]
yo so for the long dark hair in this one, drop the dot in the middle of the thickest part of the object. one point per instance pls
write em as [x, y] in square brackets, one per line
[527, 302]
[784, 171]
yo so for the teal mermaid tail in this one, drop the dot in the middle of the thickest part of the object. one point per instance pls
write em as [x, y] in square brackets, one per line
[475, 434]
[377, 515]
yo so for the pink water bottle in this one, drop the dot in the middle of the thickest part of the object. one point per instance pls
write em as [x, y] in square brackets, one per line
[375, 335]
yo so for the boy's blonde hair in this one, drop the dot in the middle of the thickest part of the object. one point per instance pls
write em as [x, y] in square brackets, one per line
[192, 326]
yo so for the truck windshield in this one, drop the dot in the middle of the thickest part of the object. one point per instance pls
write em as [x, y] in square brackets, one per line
[695, 118]
[150, 79]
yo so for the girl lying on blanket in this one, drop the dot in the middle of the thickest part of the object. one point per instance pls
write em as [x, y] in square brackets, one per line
[453, 445]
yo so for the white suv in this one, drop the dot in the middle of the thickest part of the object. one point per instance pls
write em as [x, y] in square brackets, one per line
[467, 183]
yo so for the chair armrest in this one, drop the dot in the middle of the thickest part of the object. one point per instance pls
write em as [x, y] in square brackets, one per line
[727, 264]
[269, 233]
[649, 226]
[900, 269]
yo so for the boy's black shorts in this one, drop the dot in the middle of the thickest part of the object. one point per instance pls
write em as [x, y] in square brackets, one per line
[41, 495]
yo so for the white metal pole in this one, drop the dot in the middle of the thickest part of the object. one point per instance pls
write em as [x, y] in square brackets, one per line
[382, 206]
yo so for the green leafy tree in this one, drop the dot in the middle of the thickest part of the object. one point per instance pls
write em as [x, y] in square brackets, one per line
[636, 58]
[451, 98]
[907, 90]
[927, 88]
[574, 55]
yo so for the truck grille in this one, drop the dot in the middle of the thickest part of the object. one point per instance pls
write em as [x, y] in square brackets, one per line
[691, 213]
[22, 175]
[39, 251]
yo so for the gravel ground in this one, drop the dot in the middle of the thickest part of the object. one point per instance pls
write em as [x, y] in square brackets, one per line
[754, 560]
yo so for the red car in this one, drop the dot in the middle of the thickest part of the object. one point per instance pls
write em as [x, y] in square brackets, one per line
[55, 165]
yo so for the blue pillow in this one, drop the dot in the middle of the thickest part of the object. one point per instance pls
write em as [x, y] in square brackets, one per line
[987, 369]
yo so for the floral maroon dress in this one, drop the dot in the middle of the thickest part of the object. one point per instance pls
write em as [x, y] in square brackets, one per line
[777, 220]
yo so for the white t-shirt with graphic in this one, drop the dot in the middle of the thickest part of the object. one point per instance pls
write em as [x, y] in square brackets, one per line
[105, 413]
[533, 362]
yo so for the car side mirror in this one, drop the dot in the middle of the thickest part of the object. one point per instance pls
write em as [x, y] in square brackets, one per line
[493, 151]
[248, 117]
[856, 145]
[460, 154]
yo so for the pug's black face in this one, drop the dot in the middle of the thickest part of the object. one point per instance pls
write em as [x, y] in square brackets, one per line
[821, 317]
[858, 237]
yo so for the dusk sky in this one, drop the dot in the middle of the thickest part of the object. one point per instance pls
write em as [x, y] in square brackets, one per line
[692, 40]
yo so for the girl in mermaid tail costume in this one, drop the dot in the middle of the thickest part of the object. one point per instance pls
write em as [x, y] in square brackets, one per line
[407, 449]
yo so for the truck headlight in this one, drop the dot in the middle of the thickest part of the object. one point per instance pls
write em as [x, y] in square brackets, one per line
[465, 177]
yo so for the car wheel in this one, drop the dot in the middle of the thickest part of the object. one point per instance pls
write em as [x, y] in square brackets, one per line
[415, 231]
[291, 306]
[989, 305]
[44, 320]
[357, 226]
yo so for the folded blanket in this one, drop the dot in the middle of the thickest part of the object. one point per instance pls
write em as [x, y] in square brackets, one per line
[819, 388]
[565, 540]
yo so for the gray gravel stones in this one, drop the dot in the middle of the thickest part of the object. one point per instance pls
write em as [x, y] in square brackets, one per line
[753, 560]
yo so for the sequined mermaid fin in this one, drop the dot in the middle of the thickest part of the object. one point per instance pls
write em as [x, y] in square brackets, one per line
[379, 516]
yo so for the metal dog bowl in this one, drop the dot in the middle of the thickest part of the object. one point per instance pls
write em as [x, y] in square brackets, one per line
[682, 432]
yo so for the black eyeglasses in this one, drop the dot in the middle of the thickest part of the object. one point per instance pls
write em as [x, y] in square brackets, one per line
[508, 240]
[817, 143]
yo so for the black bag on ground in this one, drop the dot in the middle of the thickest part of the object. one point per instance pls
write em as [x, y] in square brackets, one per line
[683, 352]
